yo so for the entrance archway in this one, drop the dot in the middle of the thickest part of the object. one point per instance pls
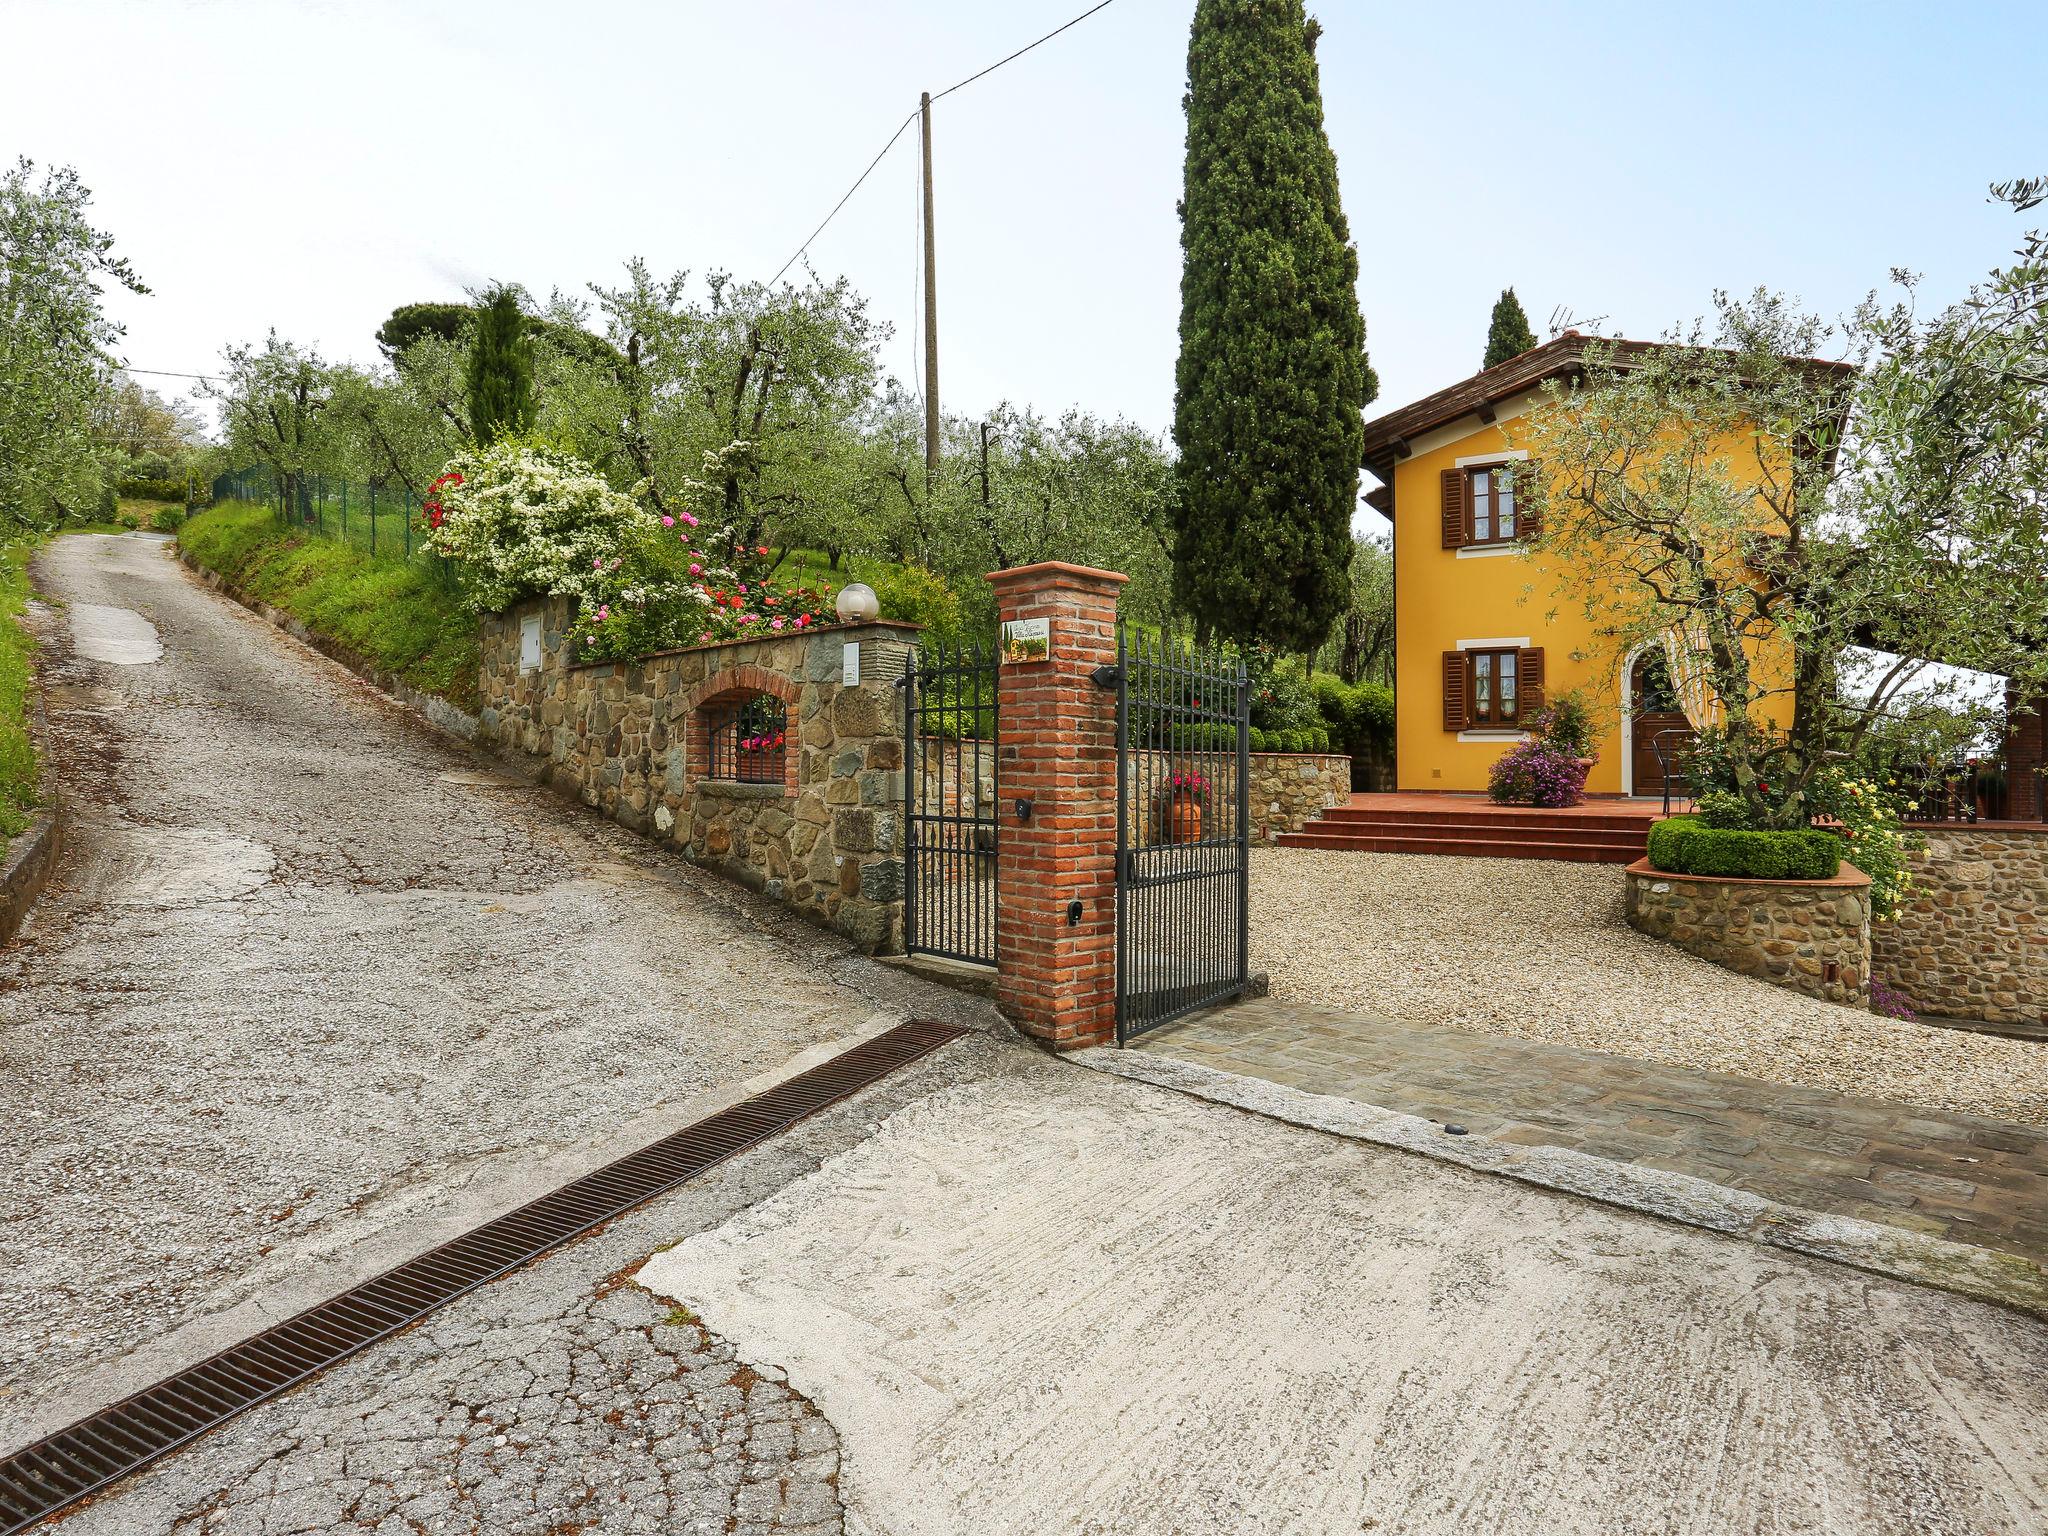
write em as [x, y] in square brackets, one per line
[1656, 720]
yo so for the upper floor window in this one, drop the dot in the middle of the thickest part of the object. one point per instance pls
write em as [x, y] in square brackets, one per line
[1491, 498]
[1480, 506]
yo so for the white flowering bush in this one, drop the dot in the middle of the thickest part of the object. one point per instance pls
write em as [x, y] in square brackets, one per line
[523, 520]
[1872, 818]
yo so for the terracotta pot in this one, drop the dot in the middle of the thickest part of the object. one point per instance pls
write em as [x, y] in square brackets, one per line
[1184, 820]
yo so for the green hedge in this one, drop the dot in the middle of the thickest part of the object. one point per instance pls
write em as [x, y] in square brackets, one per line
[1683, 845]
[1358, 717]
[152, 490]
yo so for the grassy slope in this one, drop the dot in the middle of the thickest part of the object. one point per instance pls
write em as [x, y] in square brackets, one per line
[17, 756]
[401, 616]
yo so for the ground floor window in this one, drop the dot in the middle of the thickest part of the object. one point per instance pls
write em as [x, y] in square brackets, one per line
[1494, 687]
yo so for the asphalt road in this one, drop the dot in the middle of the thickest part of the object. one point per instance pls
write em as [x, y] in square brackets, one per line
[993, 1293]
[314, 988]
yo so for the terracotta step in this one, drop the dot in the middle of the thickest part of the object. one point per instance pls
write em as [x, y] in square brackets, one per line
[1487, 829]
[1315, 835]
[1515, 816]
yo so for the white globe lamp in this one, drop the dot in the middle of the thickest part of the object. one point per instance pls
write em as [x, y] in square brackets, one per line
[857, 604]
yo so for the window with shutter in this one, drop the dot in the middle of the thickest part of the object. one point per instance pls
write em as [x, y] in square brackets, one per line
[1529, 665]
[1457, 693]
[1454, 507]
[1530, 514]
[1493, 688]
[1491, 516]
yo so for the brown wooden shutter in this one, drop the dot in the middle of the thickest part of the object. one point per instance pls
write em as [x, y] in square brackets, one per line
[1457, 691]
[1454, 485]
[1528, 514]
[1528, 683]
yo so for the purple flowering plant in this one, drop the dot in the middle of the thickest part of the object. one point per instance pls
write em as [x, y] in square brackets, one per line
[1537, 772]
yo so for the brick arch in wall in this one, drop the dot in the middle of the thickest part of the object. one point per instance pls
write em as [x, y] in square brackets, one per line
[731, 686]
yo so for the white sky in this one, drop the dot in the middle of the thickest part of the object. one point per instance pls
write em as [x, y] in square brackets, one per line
[311, 165]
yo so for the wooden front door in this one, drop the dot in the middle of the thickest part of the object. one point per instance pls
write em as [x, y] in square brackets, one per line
[1654, 710]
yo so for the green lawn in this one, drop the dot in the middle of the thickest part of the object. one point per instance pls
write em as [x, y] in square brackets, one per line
[17, 755]
[404, 616]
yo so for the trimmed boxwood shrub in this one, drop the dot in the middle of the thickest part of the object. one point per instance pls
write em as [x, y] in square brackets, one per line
[1684, 845]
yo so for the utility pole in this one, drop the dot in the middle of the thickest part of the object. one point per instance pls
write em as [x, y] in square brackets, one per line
[931, 311]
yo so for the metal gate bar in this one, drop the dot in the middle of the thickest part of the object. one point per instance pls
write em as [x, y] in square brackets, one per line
[1183, 831]
[62, 1468]
[950, 830]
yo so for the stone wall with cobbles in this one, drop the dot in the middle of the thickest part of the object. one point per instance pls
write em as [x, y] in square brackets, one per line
[1973, 941]
[628, 738]
[1810, 936]
[1290, 789]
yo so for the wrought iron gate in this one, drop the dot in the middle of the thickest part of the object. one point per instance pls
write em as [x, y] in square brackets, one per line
[949, 795]
[1182, 831]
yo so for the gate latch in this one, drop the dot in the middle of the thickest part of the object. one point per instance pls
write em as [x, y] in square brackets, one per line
[1108, 675]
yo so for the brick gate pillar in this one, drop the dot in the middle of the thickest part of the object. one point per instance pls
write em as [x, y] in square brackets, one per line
[1056, 866]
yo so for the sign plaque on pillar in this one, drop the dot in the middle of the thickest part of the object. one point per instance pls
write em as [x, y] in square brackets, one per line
[1027, 639]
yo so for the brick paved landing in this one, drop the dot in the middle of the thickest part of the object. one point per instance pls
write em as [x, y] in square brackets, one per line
[1964, 1177]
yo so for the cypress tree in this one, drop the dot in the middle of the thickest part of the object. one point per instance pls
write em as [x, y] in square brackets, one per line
[1269, 389]
[498, 380]
[1508, 334]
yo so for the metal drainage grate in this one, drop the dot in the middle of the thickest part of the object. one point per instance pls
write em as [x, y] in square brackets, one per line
[65, 1467]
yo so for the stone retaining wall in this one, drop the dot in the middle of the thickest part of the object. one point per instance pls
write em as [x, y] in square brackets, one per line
[1973, 942]
[1810, 936]
[1286, 789]
[627, 738]
[1290, 789]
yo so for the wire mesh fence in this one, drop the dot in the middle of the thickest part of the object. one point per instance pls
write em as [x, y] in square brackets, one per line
[380, 520]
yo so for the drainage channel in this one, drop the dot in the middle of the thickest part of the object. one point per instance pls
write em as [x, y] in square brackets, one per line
[65, 1467]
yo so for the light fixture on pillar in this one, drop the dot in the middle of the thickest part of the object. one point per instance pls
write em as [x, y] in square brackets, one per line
[857, 604]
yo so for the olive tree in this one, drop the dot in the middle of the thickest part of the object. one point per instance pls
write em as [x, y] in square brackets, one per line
[55, 341]
[1765, 512]
[272, 398]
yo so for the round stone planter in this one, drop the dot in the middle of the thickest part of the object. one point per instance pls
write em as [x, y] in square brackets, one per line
[1810, 936]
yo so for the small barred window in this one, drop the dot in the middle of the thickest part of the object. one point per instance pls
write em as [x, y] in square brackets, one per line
[748, 739]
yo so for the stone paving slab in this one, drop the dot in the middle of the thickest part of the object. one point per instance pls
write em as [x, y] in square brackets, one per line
[1964, 1178]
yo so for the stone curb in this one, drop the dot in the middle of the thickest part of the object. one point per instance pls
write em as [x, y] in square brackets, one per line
[1980, 1273]
[32, 856]
[437, 711]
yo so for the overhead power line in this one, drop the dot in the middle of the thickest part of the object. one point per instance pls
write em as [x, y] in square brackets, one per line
[908, 119]
[166, 373]
[911, 116]
[999, 63]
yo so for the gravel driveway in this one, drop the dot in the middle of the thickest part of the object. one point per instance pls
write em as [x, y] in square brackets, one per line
[307, 975]
[1538, 949]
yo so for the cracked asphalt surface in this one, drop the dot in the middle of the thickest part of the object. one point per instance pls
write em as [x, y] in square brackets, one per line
[301, 988]
[562, 1398]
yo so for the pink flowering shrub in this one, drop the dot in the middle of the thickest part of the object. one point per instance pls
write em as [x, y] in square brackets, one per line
[523, 519]
[1535, 772]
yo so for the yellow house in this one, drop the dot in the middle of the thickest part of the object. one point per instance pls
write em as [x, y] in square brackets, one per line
[1480, 640]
